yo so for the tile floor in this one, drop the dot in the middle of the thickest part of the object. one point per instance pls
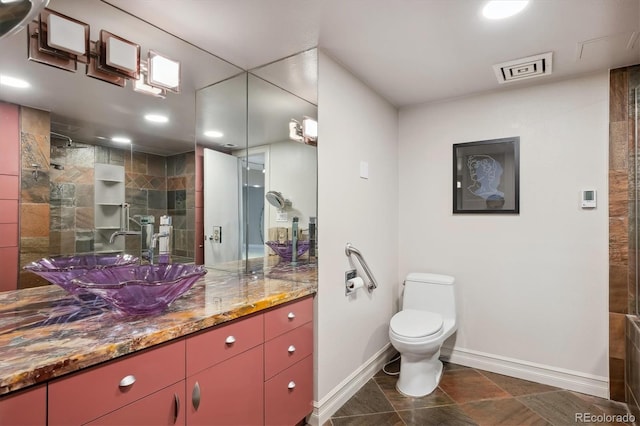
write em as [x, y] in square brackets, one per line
[468, 396]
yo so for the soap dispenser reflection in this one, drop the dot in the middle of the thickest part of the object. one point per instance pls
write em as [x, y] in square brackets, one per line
[294, 241]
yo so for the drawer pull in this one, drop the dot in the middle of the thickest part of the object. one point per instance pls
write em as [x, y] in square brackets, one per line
[291, 349]
[195, 396]
[127, 381]
[230, 340]
[176, 407]
[291, 385]
[291, 315]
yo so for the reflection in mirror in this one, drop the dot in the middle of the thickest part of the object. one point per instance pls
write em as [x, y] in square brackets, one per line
[77, 184]
[242, 230]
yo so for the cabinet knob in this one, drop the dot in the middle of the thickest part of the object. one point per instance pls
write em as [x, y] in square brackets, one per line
[195, 396]
[291, 349]
[127, 381]
[291, 315]
[291, 385]
[230, 340]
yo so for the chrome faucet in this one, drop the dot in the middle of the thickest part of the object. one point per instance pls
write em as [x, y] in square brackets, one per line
[154, 240]
[122, 232]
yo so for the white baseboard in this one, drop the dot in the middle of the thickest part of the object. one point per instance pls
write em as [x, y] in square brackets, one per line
[539, 373]
[339, 395]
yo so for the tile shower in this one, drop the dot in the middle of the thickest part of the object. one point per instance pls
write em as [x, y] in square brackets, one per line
[624, 322]
[57, 195]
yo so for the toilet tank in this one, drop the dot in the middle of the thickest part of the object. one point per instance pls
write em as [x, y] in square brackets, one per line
[430, 292]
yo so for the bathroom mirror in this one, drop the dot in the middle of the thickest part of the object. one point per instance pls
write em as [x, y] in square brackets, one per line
[267, 161]
[68, 120]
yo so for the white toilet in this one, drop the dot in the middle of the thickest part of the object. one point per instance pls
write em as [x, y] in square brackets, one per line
[427, 319]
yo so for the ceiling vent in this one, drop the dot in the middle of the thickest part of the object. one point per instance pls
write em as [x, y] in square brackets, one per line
[521, 69]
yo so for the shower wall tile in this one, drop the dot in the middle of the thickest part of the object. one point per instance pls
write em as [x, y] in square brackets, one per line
[618, 240]
[36, 122]
[617, 324]
[618, 145]
[156, 165]
[618, 292]
[157, 199]
[34, 190]
[62, 242]
[84, 195]
[616, 379]
[34, 220]
[618, 94]
[35, 152]
[85, 218]
[136, 163]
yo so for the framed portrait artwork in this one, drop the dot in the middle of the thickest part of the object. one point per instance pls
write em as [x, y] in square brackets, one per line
[486, 176]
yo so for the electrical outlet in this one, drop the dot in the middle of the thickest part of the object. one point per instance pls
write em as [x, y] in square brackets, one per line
[217, 234]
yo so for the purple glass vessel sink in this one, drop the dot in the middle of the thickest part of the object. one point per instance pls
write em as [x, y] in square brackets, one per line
[285, 250]
[141, 289]
[60, 270]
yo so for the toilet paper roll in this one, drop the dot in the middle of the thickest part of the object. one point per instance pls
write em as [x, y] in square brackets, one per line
[355, 283]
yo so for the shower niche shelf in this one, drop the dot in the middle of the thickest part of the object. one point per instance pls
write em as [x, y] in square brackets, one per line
[109, 199]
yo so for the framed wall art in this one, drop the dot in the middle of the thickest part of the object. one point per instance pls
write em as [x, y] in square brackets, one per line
[486, 176]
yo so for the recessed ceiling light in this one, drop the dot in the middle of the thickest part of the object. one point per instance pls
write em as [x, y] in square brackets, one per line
[121, 139]
[230, 145]
[156, 118]
[499, 9]
[5, 80]
[213, 134]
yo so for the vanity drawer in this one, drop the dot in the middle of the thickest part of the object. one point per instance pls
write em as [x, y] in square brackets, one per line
[87, 395]
[287, 349]
[222, 342]
[289, 395]
[280, 320]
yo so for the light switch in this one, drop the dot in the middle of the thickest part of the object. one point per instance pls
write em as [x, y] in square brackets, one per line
[364, 170]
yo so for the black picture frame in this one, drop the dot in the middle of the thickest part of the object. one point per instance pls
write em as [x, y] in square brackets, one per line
[486, 176]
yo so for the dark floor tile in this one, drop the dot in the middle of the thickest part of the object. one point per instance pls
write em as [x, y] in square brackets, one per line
[517, 387]
[379, 419]
[502, 412]
[368, 400]
[559, 408]
[607, 406]
[328, 423]
[402, 402]
[449, 415]
[466, 385]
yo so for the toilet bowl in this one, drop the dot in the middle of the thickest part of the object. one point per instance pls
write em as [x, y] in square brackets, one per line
[417, 332]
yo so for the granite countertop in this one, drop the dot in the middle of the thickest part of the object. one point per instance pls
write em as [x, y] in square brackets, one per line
[46, 333]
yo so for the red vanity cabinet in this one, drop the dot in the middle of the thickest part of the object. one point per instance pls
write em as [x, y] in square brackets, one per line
[288, 356]
[89, 394]
[25, 407]
[225, 379]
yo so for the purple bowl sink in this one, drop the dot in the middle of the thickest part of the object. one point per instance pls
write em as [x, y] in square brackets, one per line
[141, 289]
[60, 270]
[285, 250]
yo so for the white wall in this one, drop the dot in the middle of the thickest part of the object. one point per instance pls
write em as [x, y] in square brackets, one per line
[532, 288]
[355, 125]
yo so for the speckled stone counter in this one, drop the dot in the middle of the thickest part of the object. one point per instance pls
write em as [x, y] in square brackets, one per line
[46, 333]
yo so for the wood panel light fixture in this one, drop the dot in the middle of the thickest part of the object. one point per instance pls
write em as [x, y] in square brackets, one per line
[61, 41]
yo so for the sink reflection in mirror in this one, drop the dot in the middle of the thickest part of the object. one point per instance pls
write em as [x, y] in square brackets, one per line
[241, 164]
[66, 121]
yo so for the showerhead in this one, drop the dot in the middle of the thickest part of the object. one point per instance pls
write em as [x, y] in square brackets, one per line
[56, 166]
[68, 141]
[276, 199]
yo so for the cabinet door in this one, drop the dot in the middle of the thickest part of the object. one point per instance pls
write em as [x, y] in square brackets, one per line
[165, 407]
[28, 407]
[229, 393]
[289, 394]
[92, 393]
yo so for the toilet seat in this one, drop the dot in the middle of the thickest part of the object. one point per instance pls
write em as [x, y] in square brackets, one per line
[415, 324]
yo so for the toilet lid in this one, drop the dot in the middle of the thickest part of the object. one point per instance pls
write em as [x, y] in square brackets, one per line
[414, 323]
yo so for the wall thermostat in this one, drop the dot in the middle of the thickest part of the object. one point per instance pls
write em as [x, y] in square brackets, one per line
[588, 198]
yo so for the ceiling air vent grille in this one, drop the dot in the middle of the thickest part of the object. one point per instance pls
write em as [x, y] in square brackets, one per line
[522, 69]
